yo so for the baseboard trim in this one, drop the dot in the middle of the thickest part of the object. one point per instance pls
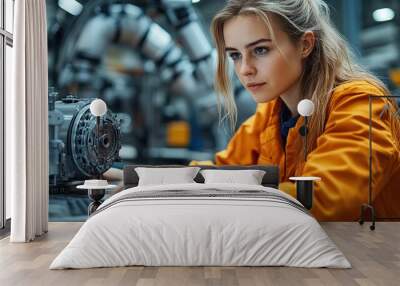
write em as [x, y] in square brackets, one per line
[5, 231]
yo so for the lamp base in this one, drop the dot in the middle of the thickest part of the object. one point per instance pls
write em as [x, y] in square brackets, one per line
[95, 195]
[305, 191]
[364, 208]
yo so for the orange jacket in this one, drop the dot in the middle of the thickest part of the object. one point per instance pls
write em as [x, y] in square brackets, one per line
[340, 157]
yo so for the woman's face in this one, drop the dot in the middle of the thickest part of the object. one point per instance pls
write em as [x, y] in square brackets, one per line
[264, 70]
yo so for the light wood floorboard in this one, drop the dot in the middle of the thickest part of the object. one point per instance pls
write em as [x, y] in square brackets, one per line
[374, 255]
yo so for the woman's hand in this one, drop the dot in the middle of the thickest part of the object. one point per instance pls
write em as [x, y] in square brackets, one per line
[113, 174]
[201, 163]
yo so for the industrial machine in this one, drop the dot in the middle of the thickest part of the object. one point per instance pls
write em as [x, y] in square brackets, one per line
[79, 147]
[154, 64]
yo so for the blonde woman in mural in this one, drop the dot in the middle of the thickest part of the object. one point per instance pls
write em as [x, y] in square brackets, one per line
[284, 51]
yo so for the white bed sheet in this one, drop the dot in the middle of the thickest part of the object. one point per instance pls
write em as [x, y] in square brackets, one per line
[200, 231]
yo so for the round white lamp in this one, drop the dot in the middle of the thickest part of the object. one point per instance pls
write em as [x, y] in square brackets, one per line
[98, 107]
[305, 107]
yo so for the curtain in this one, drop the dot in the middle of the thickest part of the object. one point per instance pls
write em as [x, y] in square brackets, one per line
[27, 124]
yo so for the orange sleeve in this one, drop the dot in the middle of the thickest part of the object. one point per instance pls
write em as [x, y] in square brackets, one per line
[341, 155]
[289, 188]
[244, 147]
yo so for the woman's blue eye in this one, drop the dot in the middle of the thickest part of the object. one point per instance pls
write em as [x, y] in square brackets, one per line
[234, 56]
[260, 50]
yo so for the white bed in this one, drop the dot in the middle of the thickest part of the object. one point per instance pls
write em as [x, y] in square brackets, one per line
[185, 230]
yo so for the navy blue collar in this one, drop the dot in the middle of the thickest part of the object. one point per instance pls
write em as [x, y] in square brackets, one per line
[287, 121]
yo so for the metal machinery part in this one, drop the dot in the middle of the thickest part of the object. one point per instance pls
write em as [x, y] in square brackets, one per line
[183, 17]
[76, 150]
[126, 24]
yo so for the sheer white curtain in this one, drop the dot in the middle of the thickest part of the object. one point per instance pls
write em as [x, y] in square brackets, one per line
[27, 123]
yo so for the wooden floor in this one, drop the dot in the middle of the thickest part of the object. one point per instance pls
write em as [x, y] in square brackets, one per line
[375, 257]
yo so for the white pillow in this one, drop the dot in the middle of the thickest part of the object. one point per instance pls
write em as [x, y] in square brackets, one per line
[248, 177]
[163, 176]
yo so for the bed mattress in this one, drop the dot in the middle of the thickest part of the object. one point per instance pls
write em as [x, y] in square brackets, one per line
[201, 225]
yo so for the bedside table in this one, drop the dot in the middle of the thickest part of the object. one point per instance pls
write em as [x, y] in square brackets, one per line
[96, 190]
[305, 189]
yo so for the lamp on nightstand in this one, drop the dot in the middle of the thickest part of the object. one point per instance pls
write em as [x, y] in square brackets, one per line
[305, 185]
[96, 188]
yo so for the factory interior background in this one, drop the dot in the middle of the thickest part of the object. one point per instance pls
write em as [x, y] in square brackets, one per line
[155, 72]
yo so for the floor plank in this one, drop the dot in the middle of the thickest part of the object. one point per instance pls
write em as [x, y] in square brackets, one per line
[374, 255]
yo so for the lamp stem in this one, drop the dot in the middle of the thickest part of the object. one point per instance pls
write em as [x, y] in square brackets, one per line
[305, 137]
[97, 137]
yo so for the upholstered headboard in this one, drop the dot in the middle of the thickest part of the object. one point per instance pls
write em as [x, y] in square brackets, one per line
[270, 179]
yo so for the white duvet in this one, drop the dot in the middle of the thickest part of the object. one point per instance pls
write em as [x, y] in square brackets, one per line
[200, 231]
